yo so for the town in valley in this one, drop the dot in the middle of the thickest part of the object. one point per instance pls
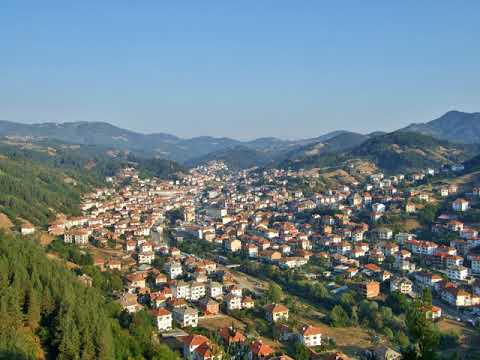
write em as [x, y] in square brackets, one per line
[281, 264]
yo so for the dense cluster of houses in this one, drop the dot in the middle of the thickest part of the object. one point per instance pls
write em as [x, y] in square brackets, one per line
[267, 217]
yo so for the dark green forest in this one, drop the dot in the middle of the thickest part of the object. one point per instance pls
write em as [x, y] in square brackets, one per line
[46, 313]
[32, 191]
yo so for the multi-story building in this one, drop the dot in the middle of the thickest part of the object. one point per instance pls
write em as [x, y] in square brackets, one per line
[458, 272]
[186, 316]
[164, 319]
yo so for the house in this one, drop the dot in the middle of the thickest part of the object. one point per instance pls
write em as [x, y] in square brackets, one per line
[432, 312]
[460, 205]
[231, 335]
[410, 207]
[130, 246]
[129, 303]
[403, 237]
[276, 312]
[402, 285]
[160, 279]
[233, 302]
[209, 306]
[422, 247]
[457, 297]
[186, 316]
[232, 245]
[444, 192]
[192, 343]
[136, 280]
[457, 272]
[425, 279]
[247, 302]
[252, 250]
[370, 289]
[27, 229]
[259, 350]
[181, 290]
[455, 225]
[384, 234]
[86, 280]
[235, 290]
[378, 208]
[77, 236]
[114, 264]
[146, 257]
[310, 336]
[164, 319]
[197, 291]
[173, 269]
[475, 263]
[390, 249]
[215, 290]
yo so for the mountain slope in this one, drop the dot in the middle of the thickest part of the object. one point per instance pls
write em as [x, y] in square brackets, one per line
[408, 151]
[324, 153]
[48, 314]
[238, 157]
[454, 126]
[38, 179]
[145, 145]
[394, 152]
[107, 135]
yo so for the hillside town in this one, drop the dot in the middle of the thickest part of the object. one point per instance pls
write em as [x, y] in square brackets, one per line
[268, 264]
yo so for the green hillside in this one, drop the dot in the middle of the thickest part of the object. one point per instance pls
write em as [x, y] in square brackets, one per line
[238, 157]
[408, 151]
[46, 313]
[33, 191]
[393, 152]
[41, 178]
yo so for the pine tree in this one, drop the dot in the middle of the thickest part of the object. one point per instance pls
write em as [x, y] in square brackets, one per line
[33, 316]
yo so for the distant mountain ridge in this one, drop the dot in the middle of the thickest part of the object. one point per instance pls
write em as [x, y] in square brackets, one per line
[156, 145]
[454, 126]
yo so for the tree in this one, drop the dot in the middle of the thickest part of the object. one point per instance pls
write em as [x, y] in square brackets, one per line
[274, 293]
[422, 332]
[427, 297]
[388, 333]
[428, 214]
[402, 340]
[300, 351]
[163, 352]
[338, 316]
[33, 309]
[68, 337]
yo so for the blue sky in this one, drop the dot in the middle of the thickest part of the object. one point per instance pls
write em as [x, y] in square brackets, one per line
[241, 69]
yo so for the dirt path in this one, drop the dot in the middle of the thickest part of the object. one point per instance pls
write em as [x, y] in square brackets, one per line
[5, 223]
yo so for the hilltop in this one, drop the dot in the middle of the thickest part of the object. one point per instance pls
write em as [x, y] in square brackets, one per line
[454, 126]
[397, 151]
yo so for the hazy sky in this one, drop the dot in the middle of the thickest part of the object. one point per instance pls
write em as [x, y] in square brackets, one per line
[239, 68]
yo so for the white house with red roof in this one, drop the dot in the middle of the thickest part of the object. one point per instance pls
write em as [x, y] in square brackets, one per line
[310, 336]
[164, 319]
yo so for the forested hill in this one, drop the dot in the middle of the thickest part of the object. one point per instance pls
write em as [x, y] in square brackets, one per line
[394, 152]
[239, 157]
[408, 151]
[46, 313]
[34, 192]
[40, 179]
